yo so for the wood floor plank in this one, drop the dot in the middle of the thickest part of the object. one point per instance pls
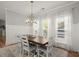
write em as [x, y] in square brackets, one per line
[2, 41]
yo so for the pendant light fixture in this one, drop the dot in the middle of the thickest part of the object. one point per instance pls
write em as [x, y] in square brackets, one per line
[31, 19]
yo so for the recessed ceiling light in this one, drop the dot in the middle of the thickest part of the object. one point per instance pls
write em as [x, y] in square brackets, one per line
[32, 1]
[43, 8]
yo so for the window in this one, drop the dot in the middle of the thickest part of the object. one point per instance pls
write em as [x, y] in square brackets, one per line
[60, 26]
[45, 27]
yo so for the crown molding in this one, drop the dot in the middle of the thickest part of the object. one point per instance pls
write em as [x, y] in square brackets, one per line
[54, 10]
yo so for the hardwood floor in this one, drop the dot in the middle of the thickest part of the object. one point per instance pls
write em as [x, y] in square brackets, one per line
[73, 53]
[70, 53]
[2, 41]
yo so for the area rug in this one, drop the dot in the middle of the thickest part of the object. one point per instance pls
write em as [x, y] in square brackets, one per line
[15, 51]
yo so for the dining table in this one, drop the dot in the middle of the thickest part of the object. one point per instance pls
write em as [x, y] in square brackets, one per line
[40, 40]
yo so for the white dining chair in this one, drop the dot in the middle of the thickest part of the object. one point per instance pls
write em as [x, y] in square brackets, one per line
[24, 45]
[26, 48]
[47, 50]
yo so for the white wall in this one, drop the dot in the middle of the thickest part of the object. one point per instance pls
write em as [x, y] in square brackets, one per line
[13, 30]
[15, 25]
[75, 29]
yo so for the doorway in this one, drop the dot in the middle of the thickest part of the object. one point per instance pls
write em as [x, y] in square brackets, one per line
[2, 34]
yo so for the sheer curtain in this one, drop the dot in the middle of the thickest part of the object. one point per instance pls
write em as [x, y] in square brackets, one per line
[65, 37]
[68, 26]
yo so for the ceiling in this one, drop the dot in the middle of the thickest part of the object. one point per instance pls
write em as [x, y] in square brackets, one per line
[23, 7]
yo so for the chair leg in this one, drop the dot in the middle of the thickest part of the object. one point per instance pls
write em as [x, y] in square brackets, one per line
[37, 51]
[21, 50]
[28, 53]
[47, 53]
[22, 53]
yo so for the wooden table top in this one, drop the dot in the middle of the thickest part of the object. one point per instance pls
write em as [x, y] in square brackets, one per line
[39, 40]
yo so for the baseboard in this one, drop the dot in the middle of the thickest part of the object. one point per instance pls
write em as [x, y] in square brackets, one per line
[62, 45]
[12, 44]
[65, 47]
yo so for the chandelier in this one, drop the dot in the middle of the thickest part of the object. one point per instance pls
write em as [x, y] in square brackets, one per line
[31, 19]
